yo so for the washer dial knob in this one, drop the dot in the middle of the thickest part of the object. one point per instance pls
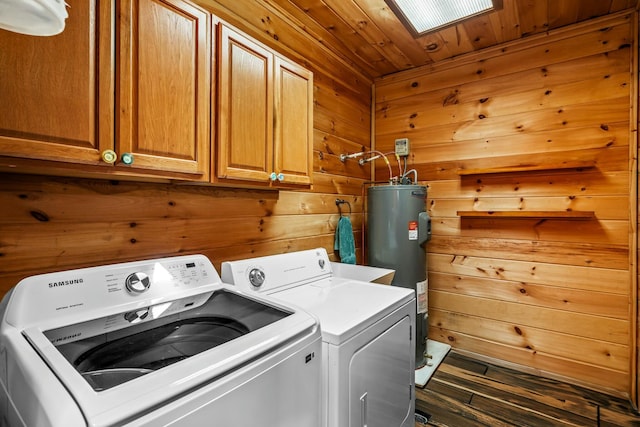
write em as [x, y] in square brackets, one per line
[256, 277]
[137, 282]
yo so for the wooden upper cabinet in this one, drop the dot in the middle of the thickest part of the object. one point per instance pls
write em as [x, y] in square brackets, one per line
[164, 81]
[64, 101]
[294, 122]
[265, 115]
[56, 93]
[245, 109]
[68, 99]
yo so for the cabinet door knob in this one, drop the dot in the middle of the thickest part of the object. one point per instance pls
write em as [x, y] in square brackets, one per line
[127, 158]
[273, 176]
[109, 156]
[280, 177]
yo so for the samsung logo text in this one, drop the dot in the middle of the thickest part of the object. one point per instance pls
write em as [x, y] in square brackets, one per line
[66, 283]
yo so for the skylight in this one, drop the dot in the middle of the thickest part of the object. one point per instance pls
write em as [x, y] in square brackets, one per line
[423, 16]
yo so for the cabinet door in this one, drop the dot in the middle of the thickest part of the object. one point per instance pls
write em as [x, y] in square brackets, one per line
[293, 143]
[245, 126]
[56, 93]
[164, 79]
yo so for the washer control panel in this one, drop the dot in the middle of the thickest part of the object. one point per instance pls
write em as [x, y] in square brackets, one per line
[82, 291]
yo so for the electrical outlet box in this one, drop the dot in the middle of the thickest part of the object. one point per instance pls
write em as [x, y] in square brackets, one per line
[402, 147]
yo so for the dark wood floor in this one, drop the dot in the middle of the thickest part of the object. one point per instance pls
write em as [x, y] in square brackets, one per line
[465, 392]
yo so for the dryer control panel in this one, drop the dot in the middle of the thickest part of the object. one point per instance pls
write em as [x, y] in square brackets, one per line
[277, 272]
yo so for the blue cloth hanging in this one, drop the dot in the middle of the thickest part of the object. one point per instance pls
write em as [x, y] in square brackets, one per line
[344, 242]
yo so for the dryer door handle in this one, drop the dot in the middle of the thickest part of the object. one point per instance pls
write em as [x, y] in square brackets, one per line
[363, 409]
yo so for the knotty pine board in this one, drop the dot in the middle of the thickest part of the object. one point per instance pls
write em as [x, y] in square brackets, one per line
[97, 241]
[435, 173]
[579, 144]
[538, 52]
[596, 135]
[486, 125]
[523, 332]
[551, 77]
[584, 325]
[528, 338]
[354, 114]
[518, 334]
[606, 262]
[540, 184]
[397, 115]
[589, 375]
[331, 164]
[605, 207]
[336, 184]
[330, 144]
[605, 232]
[547, 271]
[602, 143]
[598, 303]
[541, 88]
[50, 224]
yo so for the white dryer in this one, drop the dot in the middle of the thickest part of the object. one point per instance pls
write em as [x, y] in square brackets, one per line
[154, 343]
[368, 335]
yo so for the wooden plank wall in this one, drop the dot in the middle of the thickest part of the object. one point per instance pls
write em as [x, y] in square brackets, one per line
[50, 223]
[550, 294]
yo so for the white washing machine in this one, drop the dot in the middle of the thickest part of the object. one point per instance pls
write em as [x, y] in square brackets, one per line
[154, 343]
[368, 335]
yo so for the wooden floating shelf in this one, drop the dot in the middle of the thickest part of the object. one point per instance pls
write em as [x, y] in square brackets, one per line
[530, 167]
[528, 214]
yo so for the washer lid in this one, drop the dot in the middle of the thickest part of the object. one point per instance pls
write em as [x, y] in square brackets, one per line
[346, 307]
[119, 375]
[112, 350]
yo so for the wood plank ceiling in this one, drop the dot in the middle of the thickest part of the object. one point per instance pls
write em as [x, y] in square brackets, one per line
[367, 34]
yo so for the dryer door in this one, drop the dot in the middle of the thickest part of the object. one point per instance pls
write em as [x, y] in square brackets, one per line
[381, 379]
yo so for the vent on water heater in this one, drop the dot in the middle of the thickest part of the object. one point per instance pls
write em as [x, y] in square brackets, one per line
[398, 229]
